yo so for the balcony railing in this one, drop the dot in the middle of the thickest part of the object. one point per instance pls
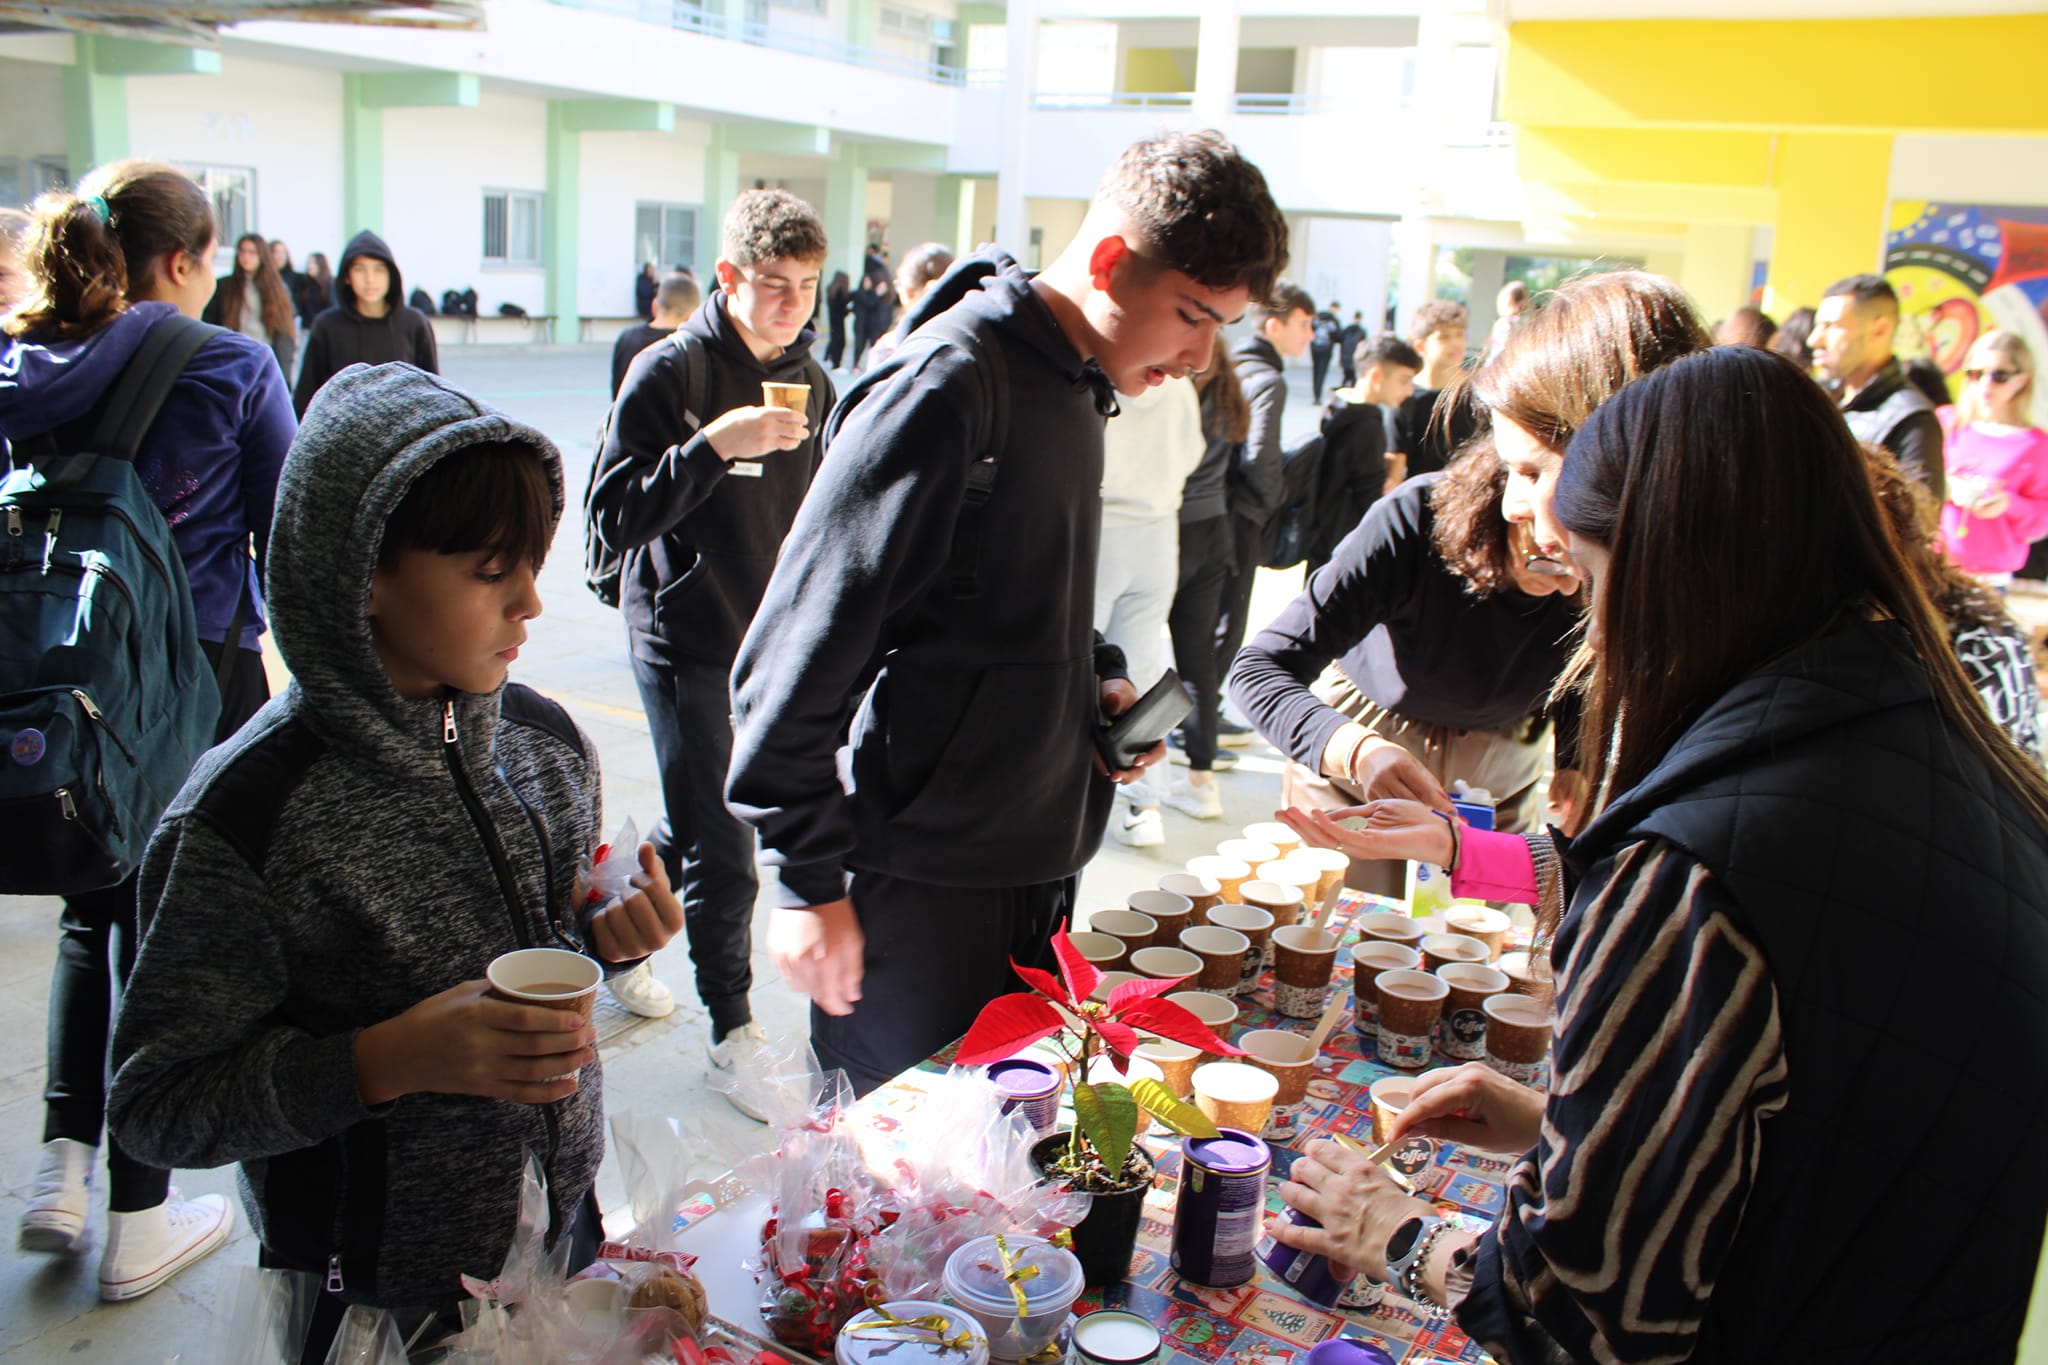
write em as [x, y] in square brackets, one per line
[1255, 105]
[1115, 99]
[687, 17]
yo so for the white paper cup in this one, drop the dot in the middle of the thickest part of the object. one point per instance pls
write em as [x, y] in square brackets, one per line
[1166, 964]
[1139, 931]
[1273, 832]
[1106, 951]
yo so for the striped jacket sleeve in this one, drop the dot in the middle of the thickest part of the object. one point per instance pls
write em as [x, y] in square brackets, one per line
[1667, 1062]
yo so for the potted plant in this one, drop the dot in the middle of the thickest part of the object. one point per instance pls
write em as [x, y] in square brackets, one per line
[1100, 1155]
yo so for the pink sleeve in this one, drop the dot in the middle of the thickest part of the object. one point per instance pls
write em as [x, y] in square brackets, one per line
[2028, 513]
[1494, 867]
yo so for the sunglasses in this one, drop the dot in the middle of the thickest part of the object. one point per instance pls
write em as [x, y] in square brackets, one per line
[1995, 376]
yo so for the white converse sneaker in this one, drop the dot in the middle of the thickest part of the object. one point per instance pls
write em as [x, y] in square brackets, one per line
[737, 1061]
[59, 1198]
[147, 1247]
[639, 992]
[1204, 802]
[1138, 827]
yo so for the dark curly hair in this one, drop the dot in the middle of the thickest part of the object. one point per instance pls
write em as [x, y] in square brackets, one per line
[771, 225]
[1199, 207]
[1471, 535]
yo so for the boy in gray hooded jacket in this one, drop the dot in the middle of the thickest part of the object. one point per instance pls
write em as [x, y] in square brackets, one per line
[321, 900]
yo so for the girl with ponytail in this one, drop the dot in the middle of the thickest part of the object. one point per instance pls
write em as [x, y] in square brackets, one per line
[132, 247]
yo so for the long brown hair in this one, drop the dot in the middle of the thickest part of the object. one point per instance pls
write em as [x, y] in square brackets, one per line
[277, 305]
[1468, 530]
[1739, 522]
[1592, 336]
[1911, 512]
[82, 262]
[1225, 413]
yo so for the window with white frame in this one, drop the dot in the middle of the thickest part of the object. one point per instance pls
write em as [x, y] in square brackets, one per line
[232, 189]
[665, 234]
[512, 226]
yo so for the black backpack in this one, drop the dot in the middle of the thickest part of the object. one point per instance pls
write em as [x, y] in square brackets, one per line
[1288, 532]
[603, 567]
[421, 300]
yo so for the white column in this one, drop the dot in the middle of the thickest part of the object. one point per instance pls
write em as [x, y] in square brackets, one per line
[1717, 267]
[1415, 241]
[1216, 62]
[1020, 84]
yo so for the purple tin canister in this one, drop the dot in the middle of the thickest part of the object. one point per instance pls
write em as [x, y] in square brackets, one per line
[1222, 1203]
[1307, 1273]
[1029, 1085]
[1348, 1351]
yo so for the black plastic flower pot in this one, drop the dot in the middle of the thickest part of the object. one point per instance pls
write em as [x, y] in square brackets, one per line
[1105, 1240]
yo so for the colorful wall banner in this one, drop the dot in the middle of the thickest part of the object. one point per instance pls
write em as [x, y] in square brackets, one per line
[1962, 270]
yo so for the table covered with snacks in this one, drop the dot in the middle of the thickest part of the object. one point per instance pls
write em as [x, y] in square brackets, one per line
[1262, 1320]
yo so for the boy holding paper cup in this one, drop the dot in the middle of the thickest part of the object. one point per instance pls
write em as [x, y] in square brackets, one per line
[322, 901]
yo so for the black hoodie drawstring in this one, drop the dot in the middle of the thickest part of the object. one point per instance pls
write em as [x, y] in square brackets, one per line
[1093, 377]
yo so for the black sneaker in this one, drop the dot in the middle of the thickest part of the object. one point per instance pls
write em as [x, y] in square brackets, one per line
[1177, 752]
[1231, 735]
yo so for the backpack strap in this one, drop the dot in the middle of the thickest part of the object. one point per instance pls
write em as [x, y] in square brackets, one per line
[696, 380]
[133, 400]
[981, 475]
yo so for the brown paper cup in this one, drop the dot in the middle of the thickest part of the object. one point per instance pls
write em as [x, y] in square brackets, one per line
[1390, 1095]
[1213, 1010]
[1172, 912]
[1250, 852]
[1204, 893]
[1176, 1062]
[1110, 981]
[1330, 867]
[1136, 930]
[553, 977]
[1368, 959]
[1284, 903]
[1461, 1028]
[1482, 922]
[1439, 949]
[1529, 974]
[1388, 927]
[1289, 872]
[1106, 951]
[1257, 927]
[1281, 837]
[1228, 873]
[1235, 1095]
[1284, 1056]
[1517, 1035]
[1304, 958]
[1222, 952]
[794, 397]
[1409, 1005]
[1166, 964]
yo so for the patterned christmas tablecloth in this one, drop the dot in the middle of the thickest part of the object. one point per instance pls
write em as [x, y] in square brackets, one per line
[1264, 1322]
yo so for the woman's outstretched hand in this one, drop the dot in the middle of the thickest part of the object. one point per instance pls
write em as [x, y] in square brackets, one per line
[1377, 831]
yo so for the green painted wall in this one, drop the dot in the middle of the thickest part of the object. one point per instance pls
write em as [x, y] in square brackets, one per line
[558, 245]
[362, 159]
[95, 112]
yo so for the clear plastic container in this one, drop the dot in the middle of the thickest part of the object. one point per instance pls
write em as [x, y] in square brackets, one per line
[882, 1343]
[975, 1280]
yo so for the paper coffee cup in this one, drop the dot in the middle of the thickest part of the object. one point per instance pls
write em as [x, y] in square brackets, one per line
[1304, 959]
[1390, 1095]
[794, 397]
[1438, 949]
[1227, 873]
[1483, 922]
[1517, 1035]
[1235, 1095]
[1330, 868]
[1284, 1056]
[1388, 927]
[546, 976]
[1106, 952]
[1250, 852]
[1216, 1012]
[1176, 1062]
[1222, 952]
[1281, 837]
[1257, 927]
[1409, 1004]
[1204, 893]
[1369, 958]
[1529, 974]
[1110, 981]
[1461, 1027]
[1283, 902]
[1171, 911]
[1290, 871]
[1136, 930]
[1166, 964]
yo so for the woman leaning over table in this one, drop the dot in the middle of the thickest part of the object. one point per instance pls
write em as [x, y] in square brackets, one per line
[1749, 978]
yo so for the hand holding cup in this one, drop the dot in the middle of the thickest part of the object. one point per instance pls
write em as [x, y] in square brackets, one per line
[464, 1041]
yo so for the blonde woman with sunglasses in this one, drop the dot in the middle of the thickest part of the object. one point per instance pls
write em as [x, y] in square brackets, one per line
[1997, 496]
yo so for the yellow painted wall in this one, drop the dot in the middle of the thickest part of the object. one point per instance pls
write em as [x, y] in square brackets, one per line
[1158, 70]
[1831, 220]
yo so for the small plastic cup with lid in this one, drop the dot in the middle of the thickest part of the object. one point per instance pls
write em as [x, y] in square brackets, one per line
[911, 1332]
[986, 1283]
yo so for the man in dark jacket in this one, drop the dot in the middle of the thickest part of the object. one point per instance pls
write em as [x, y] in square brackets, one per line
[874, 304]
[1354, 473]
[1284, 328]
[698, 514]
[1853, 331]
[1322, 346]
[933, 611]
[1348, 342]
[370, 323]
[674, 302]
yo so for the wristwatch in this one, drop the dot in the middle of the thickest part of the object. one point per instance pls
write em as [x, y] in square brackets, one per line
[1406, 1247]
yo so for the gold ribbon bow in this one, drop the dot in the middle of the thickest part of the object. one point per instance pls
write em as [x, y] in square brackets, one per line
[934, 1324]
[1015, 1276]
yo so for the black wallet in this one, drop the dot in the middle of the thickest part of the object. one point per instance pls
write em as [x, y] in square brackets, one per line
[1123, 740]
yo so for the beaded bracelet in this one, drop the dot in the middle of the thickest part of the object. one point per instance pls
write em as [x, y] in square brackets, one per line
[1456, 844]
[1411, 1281]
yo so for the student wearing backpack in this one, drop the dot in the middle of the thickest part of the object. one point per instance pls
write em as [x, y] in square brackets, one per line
[1354, 432]
[133, 248]
[1329, 329]
[936, 595]
[696, 484]
[369, 324]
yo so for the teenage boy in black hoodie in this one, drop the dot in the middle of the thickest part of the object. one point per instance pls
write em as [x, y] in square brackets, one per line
[696, 491]
[955, 611]
[369, 323]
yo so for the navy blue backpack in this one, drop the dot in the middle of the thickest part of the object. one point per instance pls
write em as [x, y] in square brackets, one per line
[106, 699]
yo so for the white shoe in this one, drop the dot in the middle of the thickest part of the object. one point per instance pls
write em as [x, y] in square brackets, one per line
[1137, 827]
[1200, 803]
[640, 993]
[58, 1200]
[147, 1247]
[737, 1056]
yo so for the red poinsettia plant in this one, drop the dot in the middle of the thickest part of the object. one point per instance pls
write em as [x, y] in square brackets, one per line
[1061, 1008]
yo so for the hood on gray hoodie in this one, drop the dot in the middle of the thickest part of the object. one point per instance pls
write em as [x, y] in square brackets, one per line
[372, 431]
